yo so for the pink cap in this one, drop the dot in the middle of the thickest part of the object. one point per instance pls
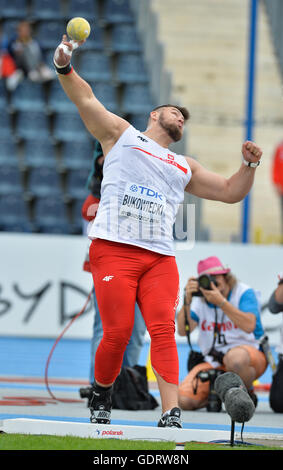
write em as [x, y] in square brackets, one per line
[211, 265]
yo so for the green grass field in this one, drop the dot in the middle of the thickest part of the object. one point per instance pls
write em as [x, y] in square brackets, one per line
[42, 442]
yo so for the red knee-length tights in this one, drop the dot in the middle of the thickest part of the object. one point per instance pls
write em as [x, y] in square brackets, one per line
[124, 274]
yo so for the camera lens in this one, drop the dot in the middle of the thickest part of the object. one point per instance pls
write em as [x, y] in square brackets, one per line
[214, 403]
[85, 392]
[204, 281]
[204, 375]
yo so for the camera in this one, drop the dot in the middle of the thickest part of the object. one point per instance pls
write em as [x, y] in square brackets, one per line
[205, 281]
[86, 392]
[214, 402]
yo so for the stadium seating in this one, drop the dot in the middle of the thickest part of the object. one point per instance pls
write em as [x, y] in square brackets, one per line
[45, 149]
[10, 180]
[18, 222]
[77, 220]
[137, 99]
[54, 226]
[32, 124]
[49, 213]
[13, 9]
[3, 96]
[58, 100]
[76, 183]
[18, 225]
[76, 155]
[95, 65]
[107, 94]
[9, 27]
[77, 210]
[131, 68]
[43, 181]
[69, 126]
[117, 11]
[28, 96]
[8, 151]
[95, 41]
[5, 124]
[124, 38]
[139, 121]
[39, 153]
[49, 33]
[13, 208]
[46, 9]
[85, 8]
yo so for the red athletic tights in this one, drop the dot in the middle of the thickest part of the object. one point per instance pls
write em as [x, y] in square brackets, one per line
[124, 274]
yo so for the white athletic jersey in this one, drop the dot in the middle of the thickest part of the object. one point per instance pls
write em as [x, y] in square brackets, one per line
[242, 297]
[143, 185]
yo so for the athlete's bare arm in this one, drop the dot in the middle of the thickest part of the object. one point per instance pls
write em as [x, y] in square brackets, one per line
[101, 123]
[209, 185]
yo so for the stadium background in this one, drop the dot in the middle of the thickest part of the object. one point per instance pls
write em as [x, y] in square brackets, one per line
[143, 53]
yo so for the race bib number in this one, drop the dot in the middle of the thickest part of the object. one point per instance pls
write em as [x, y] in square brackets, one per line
[142, 203]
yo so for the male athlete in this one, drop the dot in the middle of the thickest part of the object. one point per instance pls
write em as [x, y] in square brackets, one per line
[131, 255]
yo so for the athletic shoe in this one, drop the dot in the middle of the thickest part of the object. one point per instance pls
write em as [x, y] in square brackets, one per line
[171, 419]
[100, 406]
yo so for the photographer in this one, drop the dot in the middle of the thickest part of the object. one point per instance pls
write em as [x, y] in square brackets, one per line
[275, 305]
[227, 313]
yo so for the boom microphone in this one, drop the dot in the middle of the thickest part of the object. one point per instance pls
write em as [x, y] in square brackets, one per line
[233, 393]
[228, 380]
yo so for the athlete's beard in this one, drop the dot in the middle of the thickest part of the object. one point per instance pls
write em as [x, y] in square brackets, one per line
[172, 129]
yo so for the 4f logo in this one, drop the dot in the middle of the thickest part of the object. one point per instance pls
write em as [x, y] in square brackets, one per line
[142, 138]
[107, 278]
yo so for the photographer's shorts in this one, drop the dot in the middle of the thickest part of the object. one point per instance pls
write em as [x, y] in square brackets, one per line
[123, 274]
[190, 383]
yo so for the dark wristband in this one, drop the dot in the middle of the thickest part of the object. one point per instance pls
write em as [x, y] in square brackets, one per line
[64, 70]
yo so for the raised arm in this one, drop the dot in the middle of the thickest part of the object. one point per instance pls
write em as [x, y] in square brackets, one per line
[101, 123]
[209, 185]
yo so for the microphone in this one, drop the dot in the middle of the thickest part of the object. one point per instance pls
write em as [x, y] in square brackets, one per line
[233, 393]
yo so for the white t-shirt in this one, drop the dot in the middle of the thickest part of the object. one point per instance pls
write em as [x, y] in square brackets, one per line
[143, 185]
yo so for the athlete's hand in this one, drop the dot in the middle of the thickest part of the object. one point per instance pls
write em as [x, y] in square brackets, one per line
[63, 52]
[251, 152]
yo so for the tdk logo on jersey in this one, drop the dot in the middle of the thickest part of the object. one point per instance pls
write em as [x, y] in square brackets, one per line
[143, 190]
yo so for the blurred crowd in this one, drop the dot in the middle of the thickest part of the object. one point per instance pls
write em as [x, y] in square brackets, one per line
[22, 57]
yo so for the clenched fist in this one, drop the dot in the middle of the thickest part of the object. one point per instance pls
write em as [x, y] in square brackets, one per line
[251, 152]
